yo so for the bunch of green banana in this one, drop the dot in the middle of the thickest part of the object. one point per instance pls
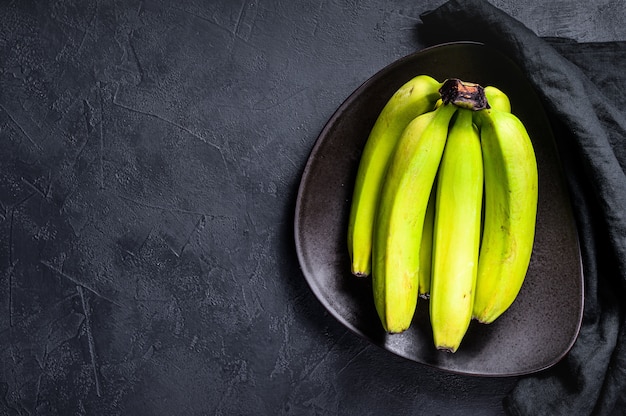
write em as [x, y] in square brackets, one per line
[445, 209]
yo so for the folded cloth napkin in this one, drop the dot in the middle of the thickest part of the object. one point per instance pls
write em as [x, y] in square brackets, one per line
[582, 87]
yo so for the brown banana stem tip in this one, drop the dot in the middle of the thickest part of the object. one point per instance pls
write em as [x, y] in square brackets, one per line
[463, 94]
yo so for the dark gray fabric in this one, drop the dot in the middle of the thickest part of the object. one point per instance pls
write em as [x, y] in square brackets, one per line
[582, 87]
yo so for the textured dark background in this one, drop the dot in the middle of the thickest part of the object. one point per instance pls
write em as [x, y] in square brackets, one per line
[150, 157]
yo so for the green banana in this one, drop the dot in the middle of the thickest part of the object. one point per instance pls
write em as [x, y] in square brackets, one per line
[400, 217]
[511, 193]
[497, 99]
[426, 248]
[457, 230]
[415, 97]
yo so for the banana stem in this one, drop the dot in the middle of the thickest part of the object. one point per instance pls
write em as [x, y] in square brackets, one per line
[463, 94]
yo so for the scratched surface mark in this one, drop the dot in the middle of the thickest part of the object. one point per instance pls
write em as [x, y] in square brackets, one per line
[151, 153]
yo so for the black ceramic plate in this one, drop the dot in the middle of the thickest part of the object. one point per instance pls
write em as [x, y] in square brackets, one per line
[543, 322]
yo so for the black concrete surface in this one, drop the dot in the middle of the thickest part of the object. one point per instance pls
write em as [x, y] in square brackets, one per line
[150, 156]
